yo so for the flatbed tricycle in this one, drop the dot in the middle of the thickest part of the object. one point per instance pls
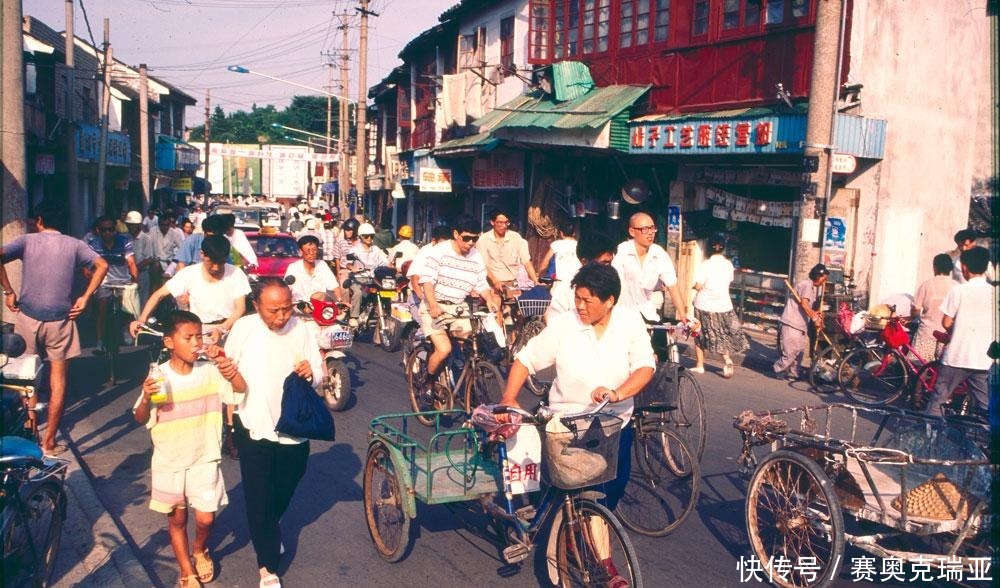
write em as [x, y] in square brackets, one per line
[909, 488]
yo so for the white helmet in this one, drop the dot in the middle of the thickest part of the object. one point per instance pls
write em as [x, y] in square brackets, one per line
[366, 229]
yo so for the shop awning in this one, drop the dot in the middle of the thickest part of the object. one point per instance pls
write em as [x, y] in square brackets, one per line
[482, 142]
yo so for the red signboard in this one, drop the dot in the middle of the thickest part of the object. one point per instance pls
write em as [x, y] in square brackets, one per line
[498, 171]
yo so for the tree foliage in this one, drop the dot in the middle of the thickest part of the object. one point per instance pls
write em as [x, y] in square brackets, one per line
[305, 112]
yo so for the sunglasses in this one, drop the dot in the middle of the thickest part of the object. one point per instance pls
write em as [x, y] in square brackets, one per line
[367, 236]
[106, 230]
[470, 238]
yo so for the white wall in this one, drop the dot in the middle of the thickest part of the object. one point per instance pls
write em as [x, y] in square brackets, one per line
[925, 68]
[510, 87]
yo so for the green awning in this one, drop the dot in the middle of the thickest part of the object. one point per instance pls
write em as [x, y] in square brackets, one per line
[482, 142]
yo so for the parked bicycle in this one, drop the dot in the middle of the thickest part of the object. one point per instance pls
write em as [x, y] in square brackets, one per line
[587, 545]
[686, 414]
[527, 320]
[467, 377]
[879, 375]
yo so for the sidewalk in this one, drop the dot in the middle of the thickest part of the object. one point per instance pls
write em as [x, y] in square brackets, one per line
[760, 358]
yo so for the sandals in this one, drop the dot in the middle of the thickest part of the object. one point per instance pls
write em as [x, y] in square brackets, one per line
[189, 582]
[204, 566]
[728, 370]
[270, 581]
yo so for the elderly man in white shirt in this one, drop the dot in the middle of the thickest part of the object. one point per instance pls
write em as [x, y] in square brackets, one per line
[646, 270]
[311, 277]
[267, 347]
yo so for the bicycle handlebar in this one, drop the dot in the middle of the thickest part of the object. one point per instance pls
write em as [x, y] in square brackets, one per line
[544, 413]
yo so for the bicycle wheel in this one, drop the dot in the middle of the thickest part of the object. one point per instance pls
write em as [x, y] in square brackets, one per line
[538, 385]
[793, 516]
[487, 385]
[113, 336]
[823, 372]
[688, 420]
[31, 541]
[388, 523]
[657, 500]
[873, 376]
[594, 550]
[439, 397]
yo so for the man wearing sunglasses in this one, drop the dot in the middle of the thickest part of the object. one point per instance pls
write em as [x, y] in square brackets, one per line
[646, 271]
[452, 271]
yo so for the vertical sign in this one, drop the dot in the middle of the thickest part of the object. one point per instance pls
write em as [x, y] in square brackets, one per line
[835, 242]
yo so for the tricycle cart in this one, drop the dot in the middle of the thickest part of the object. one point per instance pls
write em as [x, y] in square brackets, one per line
[454, 461]
[899, 485]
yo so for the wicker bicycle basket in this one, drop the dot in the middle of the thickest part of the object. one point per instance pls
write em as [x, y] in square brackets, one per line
[584, 455]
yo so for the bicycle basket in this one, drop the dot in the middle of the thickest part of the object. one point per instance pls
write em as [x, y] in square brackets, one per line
[894, 335]
[661, 393]
[532, 307]
[582, 452]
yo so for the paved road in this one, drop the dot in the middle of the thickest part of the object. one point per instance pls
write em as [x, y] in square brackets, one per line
[324, 532]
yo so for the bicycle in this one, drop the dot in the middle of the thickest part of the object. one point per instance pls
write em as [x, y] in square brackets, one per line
[879, 375]
[478, 381]
[849, 337]
[684, 414]
[528, 319]
[587, 544]
[113, 327]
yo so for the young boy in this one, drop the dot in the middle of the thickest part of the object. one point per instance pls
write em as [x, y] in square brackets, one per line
[186, 442]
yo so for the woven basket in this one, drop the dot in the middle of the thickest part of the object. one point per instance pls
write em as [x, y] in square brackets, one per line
[939, 499]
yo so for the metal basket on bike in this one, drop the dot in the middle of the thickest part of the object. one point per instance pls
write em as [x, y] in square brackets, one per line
[533, 306]
[580, 452]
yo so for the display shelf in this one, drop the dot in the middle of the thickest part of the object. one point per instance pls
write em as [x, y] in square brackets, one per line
[759, 299]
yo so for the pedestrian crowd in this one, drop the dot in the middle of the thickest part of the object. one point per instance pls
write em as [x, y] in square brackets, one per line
[228, 369]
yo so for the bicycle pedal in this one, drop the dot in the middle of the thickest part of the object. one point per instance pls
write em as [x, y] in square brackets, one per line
[526, 513]
[517, 553]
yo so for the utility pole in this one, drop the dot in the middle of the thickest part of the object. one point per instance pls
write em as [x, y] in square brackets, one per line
[144, 136]
[208, 137]
[15, 172]
[102, 157]
[327, 173]
[362, 110]
[343, 152]
[823, 96]
[72, 165]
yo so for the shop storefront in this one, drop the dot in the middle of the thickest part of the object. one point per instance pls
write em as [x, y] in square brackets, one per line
[436, 190]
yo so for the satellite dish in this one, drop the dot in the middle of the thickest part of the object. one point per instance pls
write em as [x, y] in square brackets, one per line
[635, 191]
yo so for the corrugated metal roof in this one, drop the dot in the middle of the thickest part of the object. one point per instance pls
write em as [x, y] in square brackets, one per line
[570, 80]
[479, 143]
[747, 112]
[539, 111]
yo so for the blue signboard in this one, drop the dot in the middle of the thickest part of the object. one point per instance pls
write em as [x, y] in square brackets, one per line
[88, 146]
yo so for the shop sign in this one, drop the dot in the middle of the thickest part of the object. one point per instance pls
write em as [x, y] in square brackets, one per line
[434, 180]
[498, 172]
[843, 164]
[182, 184]
[88, 146]
[45, 164]
[225, 151]
[769, 134]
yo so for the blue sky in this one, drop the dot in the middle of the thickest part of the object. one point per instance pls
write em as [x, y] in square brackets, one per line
[189, 43]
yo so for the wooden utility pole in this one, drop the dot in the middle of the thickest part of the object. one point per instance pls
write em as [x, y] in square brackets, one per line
[823, 96]
[343, 152]
[362, 140]
[208, 137]
[102, 158]
[76, 215]
[144, 136]
[15, 172]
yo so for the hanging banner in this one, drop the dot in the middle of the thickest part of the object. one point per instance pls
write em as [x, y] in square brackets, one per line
[835, 242]
[224, 151]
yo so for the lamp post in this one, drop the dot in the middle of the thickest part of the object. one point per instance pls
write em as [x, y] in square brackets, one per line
[343, 145]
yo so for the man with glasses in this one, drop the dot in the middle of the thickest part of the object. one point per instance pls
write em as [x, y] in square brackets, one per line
[503, 252]
[646, 271]
[452, 271]
[118, 251]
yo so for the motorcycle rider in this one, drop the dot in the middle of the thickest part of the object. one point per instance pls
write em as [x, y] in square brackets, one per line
[406, 246]
[312, 276]
[348, 238]
[368, 257]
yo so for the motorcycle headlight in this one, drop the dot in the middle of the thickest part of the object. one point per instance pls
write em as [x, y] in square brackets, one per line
[388, 284]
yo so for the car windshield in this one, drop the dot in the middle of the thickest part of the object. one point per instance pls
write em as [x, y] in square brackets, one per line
[247, 217]
[275, 246]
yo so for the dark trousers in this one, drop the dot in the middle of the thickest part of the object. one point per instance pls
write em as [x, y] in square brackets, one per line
[270, 471]
[615, 489]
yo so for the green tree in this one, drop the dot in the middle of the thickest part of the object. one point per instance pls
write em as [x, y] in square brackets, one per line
[305, 112]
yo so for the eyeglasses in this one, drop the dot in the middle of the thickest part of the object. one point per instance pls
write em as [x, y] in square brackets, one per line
[646, 230]
[470, 238]
[500, 222]
[106, 229]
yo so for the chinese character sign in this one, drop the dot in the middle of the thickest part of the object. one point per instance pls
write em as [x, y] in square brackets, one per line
[770, 134]
[524, 454]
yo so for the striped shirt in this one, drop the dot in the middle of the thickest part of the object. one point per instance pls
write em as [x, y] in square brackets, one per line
[454, 275]
[185, 430]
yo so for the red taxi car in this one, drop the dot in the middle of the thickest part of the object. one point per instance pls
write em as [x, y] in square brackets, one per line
[275, 252]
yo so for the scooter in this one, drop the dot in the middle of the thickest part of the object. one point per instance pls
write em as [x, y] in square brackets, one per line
[21, 373]
[334, 338]
[380, 288]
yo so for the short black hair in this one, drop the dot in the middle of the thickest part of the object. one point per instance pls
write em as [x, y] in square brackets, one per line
[567, 227]
[976, 260]
[307, 239]
[104, 218]
[216, 248]
[595, 245]
[602, 281]
[177, 318]
[716, 241]
[53, 215]
[269, 282]
[466, 224]
[212, 224]
[441, 232]
[226, 221]
[943, 264]
[498, 212]
[964, 235]
[818, 270]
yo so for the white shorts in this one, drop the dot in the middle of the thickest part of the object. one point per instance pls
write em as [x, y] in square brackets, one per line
[200, 486]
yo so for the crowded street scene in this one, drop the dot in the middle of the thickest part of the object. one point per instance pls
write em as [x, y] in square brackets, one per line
[494, 293]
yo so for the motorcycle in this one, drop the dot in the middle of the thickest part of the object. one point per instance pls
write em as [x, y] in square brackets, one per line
[382, 291]
[333, 338]
[21, 378]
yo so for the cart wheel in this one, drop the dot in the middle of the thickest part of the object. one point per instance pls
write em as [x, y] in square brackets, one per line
[794, 521]
[388, 524]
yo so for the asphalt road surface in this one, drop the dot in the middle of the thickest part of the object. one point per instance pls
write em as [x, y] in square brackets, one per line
[324, 532]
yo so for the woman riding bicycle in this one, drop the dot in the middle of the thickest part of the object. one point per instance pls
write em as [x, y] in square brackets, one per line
[599, 352]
